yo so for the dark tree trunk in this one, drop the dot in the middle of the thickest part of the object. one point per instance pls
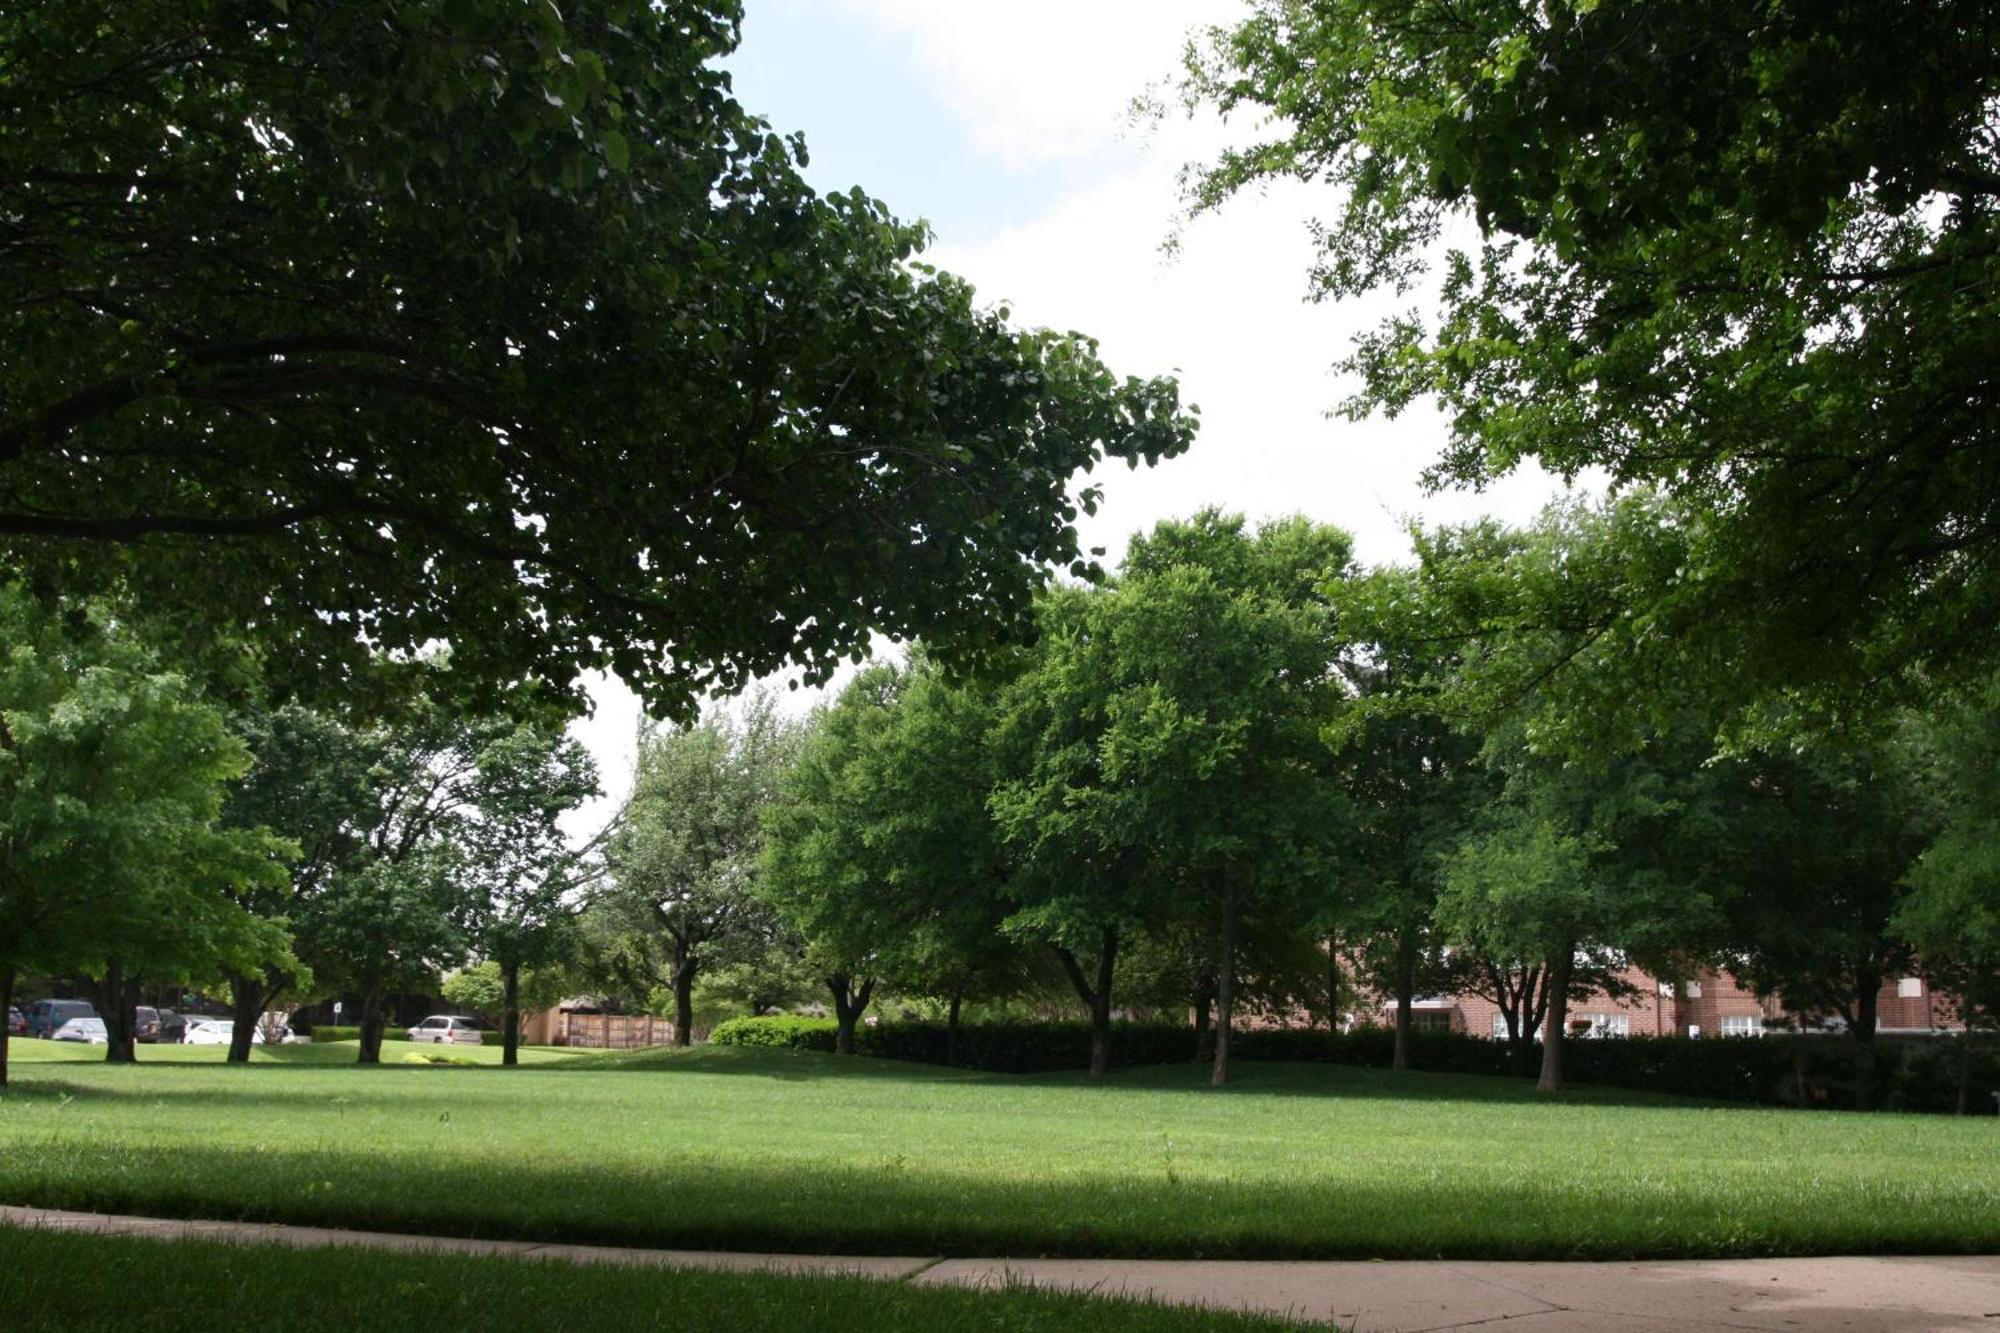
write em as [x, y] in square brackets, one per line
[6, 999]
[849, 1003]
[1962, 1104]
[373, 1020]
[510, 1018]
[246, 1006]
[1333, 985]
[1096, 999]
[1555, 1027]
[1523, 1014]
[951, 1031]
[1867, 995]
[1225, 987]
[1406, 996]
[1204, 1025]
[119, 1001]
[684, 1005]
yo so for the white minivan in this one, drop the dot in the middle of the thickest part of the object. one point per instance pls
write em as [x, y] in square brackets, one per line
[448, 1027]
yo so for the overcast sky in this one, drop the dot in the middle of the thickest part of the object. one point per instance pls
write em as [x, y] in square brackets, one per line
[1003, 124]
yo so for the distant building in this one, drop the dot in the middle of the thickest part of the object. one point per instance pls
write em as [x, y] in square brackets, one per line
[1714, 1004]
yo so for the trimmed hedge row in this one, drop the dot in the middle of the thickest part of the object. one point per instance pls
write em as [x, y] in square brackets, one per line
[1776, 1070]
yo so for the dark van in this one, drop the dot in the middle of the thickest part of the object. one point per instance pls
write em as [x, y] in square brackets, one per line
[45, 1016]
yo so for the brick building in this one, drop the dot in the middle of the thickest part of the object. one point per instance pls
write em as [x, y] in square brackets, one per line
[1714, 1005]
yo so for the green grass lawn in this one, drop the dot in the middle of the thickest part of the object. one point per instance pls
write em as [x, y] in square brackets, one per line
[741, 1149]
[63, 1283]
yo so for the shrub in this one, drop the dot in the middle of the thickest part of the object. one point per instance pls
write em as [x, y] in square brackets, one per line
[344, 1032]
[785, 1031]
[1775, 1070]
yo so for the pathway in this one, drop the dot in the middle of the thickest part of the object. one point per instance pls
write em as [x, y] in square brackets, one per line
[1886, 1295]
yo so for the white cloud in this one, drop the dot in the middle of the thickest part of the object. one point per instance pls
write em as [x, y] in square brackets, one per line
[1035, 80]
[1228, 316]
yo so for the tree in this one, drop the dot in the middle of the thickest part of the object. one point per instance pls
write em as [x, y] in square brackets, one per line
[1706, 261]
[1838, 828]
[522, 871]
[1580, 867]
[1951, 915]
[1169, 747]
[397, 913]
[1412, 776]
[685, 858]
[309, 782]
[481, 989]
[112, 774]
[365, 326]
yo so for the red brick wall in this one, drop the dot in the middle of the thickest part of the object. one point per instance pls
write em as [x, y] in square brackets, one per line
[1649, 1013]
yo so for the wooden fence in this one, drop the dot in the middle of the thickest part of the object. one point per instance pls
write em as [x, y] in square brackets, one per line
[614, 1031]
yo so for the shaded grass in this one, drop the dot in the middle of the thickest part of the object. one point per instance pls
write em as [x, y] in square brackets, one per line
[746, 1149]
[24, 1051]
[62, 1282]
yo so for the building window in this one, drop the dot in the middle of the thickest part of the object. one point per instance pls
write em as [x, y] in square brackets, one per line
[1910, 988]
[1609, 1025]
[1742, 1025]
[1499, 1027]
[1693, 990]
[1430, 1020]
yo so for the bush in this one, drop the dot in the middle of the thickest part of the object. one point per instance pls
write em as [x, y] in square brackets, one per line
[344, 1032]
[784, 1031]
[1775, 1070]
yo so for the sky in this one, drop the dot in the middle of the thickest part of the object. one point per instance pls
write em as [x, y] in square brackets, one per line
[1005, 124]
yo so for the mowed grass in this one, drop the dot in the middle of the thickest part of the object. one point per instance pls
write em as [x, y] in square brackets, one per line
[736, 1149]
[62, 1283]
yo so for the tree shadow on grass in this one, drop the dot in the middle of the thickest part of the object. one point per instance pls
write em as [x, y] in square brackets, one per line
[786, 1065]
[685, 1199]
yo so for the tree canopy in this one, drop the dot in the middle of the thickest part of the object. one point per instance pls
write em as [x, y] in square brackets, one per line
[365, 326]
[1722, 247]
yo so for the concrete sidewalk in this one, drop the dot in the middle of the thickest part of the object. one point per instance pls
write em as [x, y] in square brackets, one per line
[1858, 1295]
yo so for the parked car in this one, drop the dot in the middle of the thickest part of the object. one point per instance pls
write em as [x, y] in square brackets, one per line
[449, 1028]
[216, 1032]
[145, 1023]
[45, 1016]
[17, 1022]
[89, 1029]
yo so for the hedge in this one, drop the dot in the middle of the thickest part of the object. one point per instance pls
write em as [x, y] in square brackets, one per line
[344, 1032]
[1774, 1070]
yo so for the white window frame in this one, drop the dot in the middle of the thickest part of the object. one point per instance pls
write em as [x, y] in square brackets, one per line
[1740, 1025]
[1910, 988]
[1604, 1025]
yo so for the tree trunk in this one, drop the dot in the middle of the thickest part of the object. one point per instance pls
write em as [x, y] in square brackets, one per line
[1333, 985]
[1096, 999]
[1225, 987]
[6, 999]
[1868, 991]
[119, 1003]
[951, 1031]
[848, 1006]
[246, 1006]
[373, 1020]
[1406, 995]
[1555, 1027]
[1204, 1026]
[684, 1006]
[685, 964]
[510, 1017]
[1962, 1104]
